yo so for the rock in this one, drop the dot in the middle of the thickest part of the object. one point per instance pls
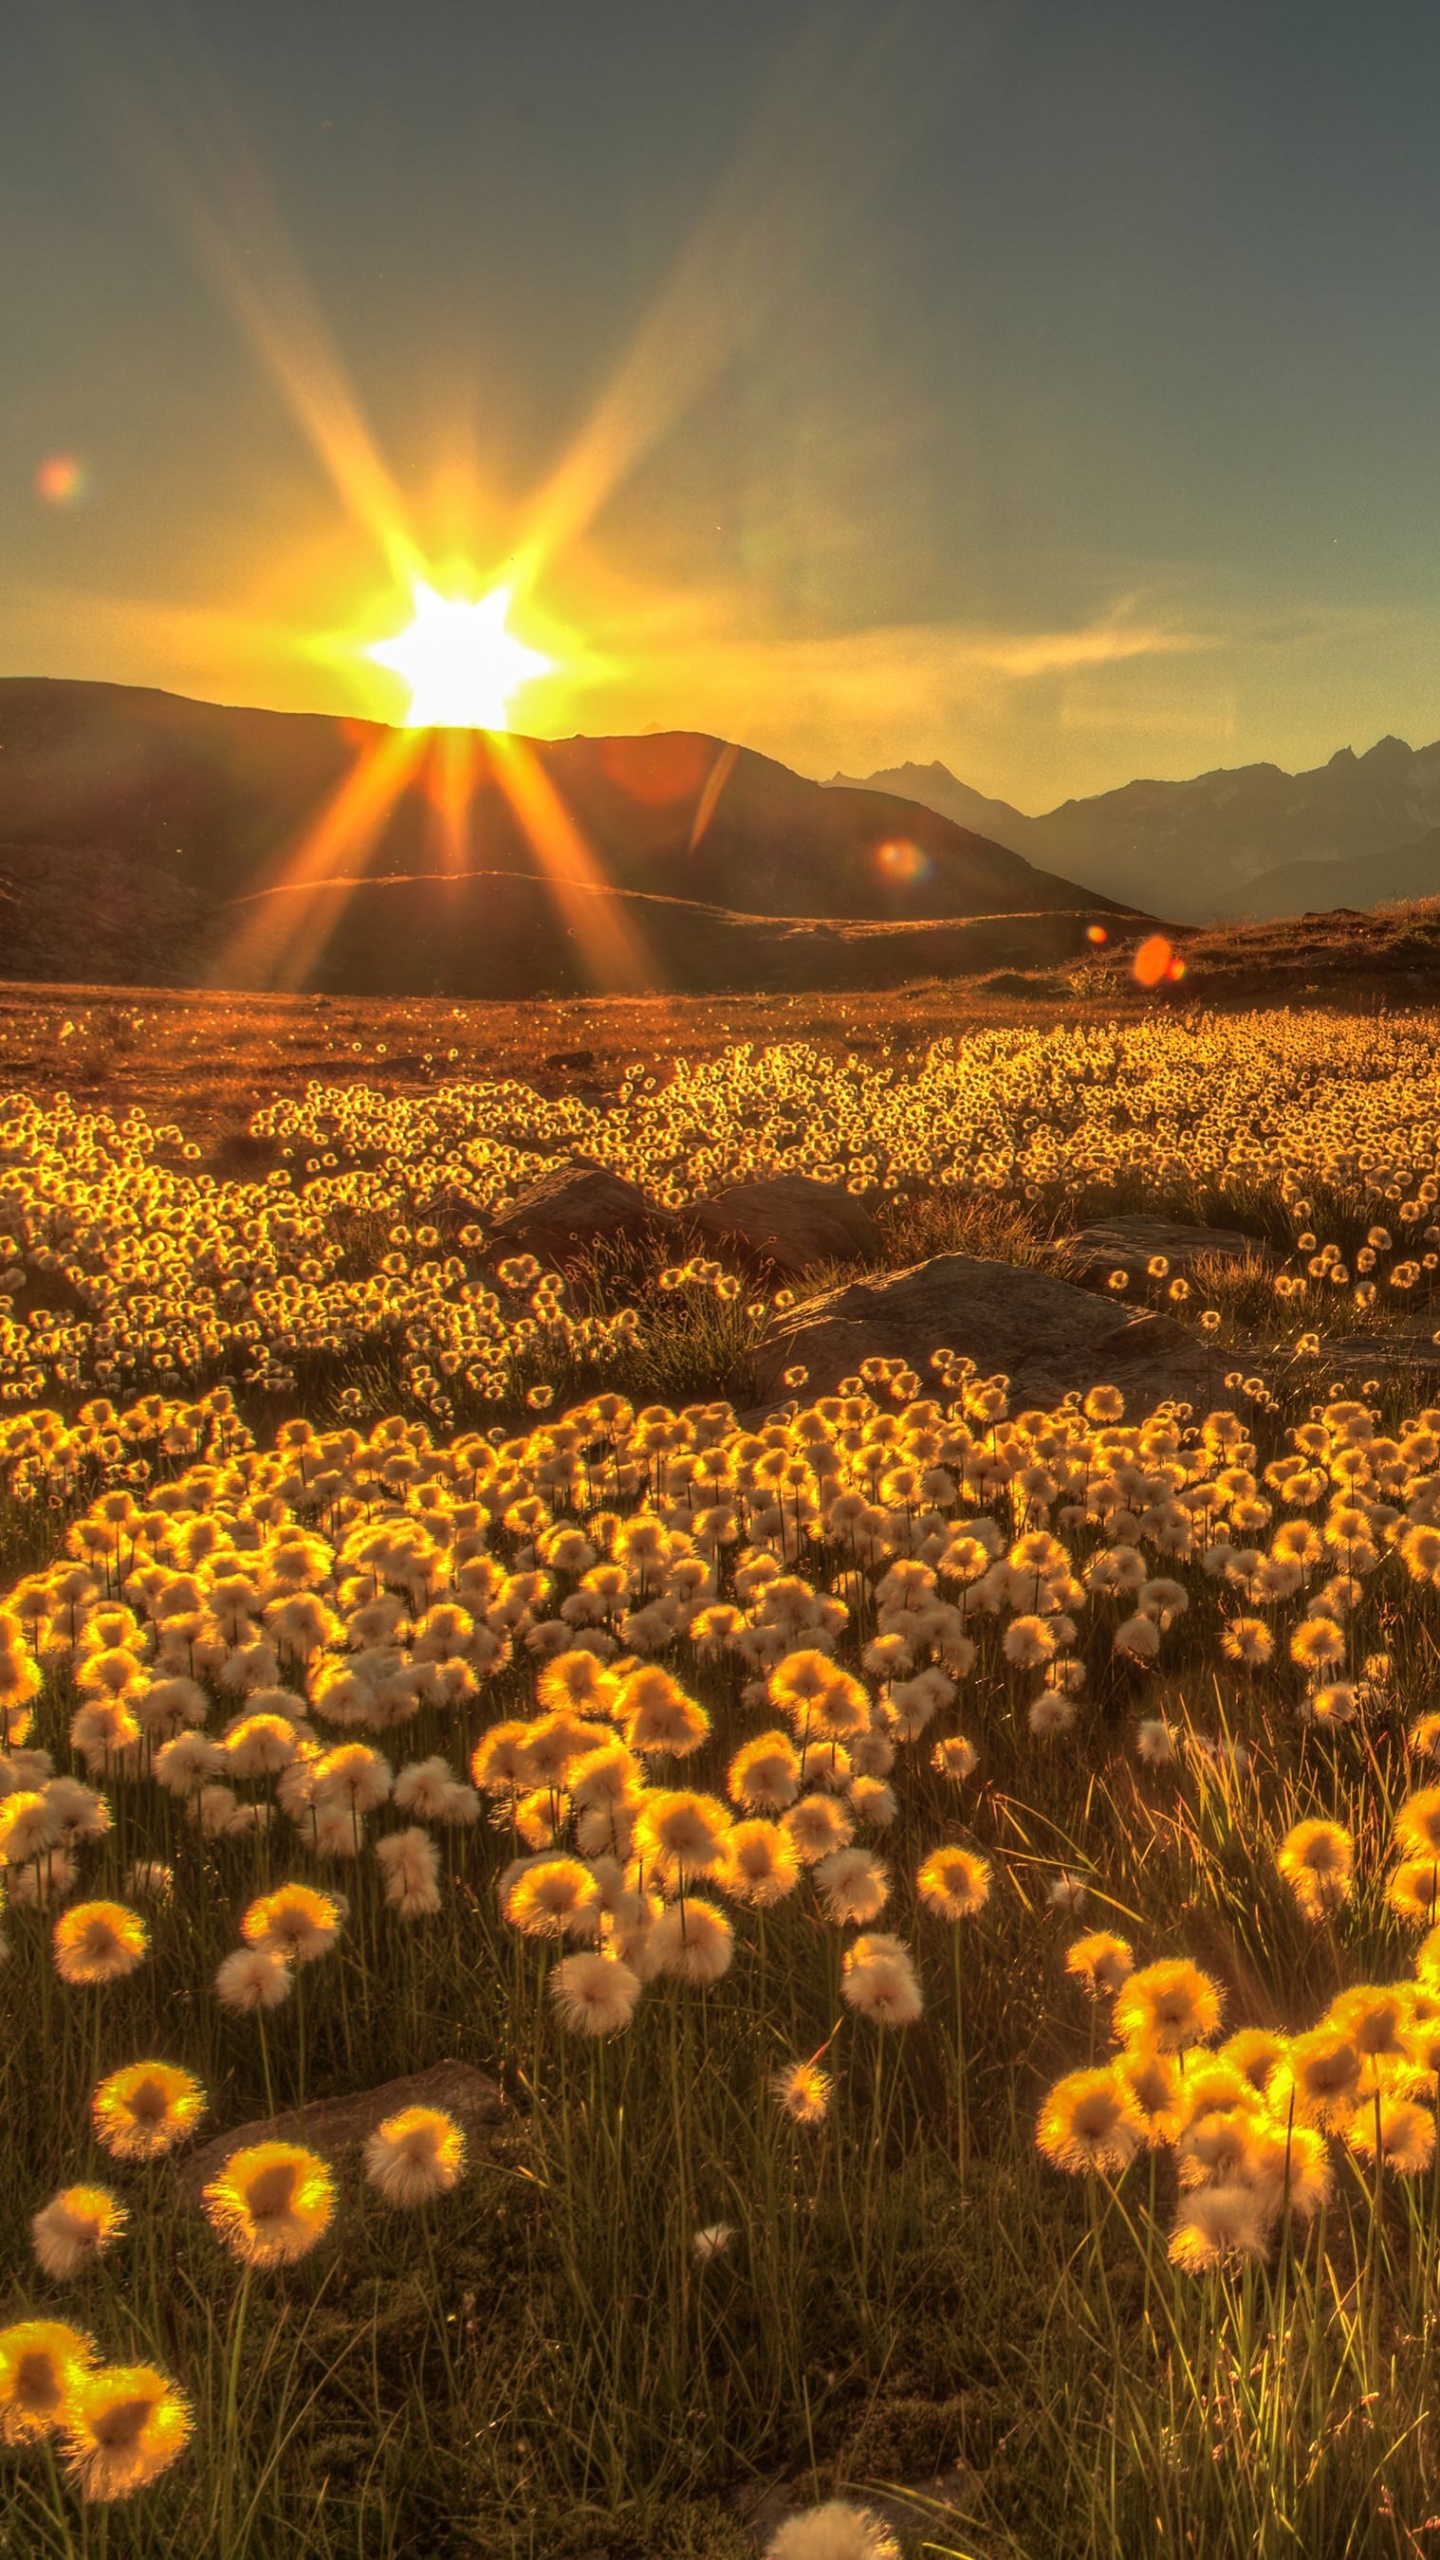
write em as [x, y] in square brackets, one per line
[1129, 1244]
[790, 1223]
[575, 1205]
[1044, 1333]
[336, 2124]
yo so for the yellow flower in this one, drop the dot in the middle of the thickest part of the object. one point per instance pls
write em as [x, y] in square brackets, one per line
[1090, 2121]
[295, 1922]
[41, 2362]
[271, 2202]
[1404, 2135]
[123, 2425]
[1318, 2081]
[1417, 1824]
[1317, 1861]
[142, 2111]
[1217, 2223]
[415, 2155]
[73, 2228]
[99, 1942]
[1101, 1963]
[804, 2091]
[954, 1883]
[1168, 2006]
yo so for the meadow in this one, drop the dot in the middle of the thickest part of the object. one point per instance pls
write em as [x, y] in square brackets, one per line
[947, 1893]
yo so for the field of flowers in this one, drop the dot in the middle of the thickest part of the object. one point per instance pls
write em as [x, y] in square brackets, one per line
[948, 1893]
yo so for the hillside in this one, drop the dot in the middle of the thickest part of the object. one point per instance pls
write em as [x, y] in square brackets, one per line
[1244, 840]
[145, 837]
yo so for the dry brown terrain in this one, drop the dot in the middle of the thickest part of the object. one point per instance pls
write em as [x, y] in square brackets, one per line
[208, 1058]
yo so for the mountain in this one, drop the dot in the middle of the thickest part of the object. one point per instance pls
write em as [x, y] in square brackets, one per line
[1202, 849]
[1367, 880]
[936, 787]
[148, 839]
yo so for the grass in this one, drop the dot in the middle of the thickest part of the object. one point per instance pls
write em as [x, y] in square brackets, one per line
[540, 2364]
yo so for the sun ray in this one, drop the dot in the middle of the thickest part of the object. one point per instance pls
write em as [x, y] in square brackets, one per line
[285, 924]
[614, 951]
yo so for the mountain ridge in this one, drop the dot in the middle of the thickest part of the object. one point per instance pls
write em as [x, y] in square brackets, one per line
[1216, 836]
[162, 820]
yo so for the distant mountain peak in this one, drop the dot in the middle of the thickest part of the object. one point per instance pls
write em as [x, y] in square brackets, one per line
[1201, 849]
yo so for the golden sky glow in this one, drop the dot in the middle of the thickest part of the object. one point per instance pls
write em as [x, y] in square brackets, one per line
[461, 661]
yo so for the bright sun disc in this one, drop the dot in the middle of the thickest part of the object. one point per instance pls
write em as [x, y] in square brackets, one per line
[462, 664]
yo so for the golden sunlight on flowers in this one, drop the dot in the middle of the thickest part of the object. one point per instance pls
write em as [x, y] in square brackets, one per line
[144, 2110]
[271, 2202]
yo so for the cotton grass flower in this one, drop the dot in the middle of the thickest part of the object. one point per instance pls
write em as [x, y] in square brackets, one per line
[954, 1883]
[804, 2091]
[878, 1982]
[42, 2362]
[271, 2202]
[762, 1864]
[595, 1993]
[415, 2156]
[144, 2110]
[713, 2242]
[1168, 2006]
[1404, 2136]
[1317, 1861]
[1100, 1963]
[553, 1898]
[99, 1942]
[295, 1921]
[74, 2229]
[854, 1886]
[122, 2426]
[410, 1863]
[835, 2531]
[1090, 2122]
[1218, 2225]
[692, 1940]
[253, 1978]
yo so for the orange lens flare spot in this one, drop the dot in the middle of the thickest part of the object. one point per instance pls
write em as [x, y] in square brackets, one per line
[1153, 961]
[1096, 933]
[61, 479]
[903, 862]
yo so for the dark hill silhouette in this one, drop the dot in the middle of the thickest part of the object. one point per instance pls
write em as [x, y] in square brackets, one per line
[137, 825]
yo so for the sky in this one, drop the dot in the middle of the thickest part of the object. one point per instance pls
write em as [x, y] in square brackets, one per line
[1049, 387]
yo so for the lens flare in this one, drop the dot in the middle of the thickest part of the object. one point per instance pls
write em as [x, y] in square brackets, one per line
[61, 480]
[461, 661]
[903, 862]
[1153, 961]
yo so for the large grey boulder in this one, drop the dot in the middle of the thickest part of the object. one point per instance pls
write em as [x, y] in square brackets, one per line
[575, 1205]
[789, 1224]
[1045, 1334]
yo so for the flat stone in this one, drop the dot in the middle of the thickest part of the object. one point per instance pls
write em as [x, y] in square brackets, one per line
[1044, 1333]
[790, 1223]
[1131, 1244]
[328, 2125]
[575, 1205]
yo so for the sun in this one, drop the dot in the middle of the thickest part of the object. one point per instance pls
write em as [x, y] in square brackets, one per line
[462, 663]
